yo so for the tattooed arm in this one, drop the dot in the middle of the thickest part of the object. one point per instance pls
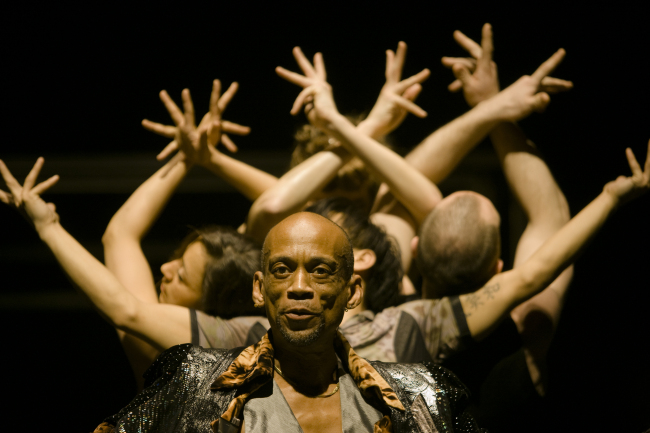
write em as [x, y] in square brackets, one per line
[487, 306]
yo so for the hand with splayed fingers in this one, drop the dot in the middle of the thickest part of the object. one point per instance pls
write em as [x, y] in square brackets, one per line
[212, 125]
[477, 75]
[316, 95]
[27, 199]
[521, 98]
[396, 97]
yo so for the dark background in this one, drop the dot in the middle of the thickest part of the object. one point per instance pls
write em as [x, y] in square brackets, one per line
[78, 79]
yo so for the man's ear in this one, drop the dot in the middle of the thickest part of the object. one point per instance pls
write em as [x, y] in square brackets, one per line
[414, 246]
[258, 289]
[356, 292]
[499, 266]
[364, 260]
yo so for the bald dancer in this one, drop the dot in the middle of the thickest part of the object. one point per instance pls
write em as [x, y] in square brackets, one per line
[303, 375]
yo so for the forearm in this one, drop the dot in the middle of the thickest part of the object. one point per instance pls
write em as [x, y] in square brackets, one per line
[293, 190]
[485, 307]
[409, 186]
[563, 247]
[248, 180]
[89, 275]
[143, 207]
[159, 325]
[439, 154]
[371, 128]
[530, 179]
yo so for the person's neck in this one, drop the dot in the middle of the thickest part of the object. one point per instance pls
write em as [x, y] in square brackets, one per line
[428, 290]
[309, 370]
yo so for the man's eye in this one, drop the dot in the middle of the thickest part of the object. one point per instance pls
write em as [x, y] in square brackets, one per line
[321, 271]
[280, 271]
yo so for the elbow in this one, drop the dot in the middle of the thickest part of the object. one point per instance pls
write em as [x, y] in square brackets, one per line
[112, 233]
[533, 278]
[116, 233]
[266, 207]
[109, 236]
[125, 319]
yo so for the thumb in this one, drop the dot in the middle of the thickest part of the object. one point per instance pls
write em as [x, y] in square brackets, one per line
[541, 102]
[461, 73]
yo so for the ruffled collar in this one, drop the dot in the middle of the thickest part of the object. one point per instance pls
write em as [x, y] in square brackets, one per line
[254, 367]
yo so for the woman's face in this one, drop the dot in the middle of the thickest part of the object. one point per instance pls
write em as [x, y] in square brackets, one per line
[183, 278]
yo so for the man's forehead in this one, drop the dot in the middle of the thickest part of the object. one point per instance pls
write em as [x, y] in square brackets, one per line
[309, 233]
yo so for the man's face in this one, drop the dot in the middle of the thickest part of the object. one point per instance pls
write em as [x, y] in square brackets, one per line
[303, 283]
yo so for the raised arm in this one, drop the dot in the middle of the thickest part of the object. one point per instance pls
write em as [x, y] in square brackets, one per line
[293, 190]
[487, 306]
[248, 180]
[531, 182]
[160, 325]
[412, 189]
[441, 151]
[123, 253]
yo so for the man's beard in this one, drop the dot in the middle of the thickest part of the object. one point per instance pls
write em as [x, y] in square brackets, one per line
[300, 339]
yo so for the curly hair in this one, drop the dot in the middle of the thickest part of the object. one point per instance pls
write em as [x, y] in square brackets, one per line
[352, 177]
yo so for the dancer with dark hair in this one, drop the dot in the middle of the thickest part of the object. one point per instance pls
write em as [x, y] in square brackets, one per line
[209, 275]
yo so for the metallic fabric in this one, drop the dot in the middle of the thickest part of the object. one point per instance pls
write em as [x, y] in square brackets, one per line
[180, 398]
[432, 396]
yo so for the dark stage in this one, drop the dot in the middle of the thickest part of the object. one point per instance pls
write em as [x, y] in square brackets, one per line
[79, 79]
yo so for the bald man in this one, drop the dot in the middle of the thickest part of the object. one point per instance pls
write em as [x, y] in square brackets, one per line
[302, 375]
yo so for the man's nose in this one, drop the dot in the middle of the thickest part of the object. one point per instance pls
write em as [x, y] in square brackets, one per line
[300, 288]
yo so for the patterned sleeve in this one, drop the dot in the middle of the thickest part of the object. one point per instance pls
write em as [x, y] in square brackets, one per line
[442, 323]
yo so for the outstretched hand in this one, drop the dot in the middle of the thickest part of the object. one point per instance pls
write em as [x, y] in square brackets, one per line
[26, 198]
[477, 75]
[523, 97]
[316, 95]
[625, 188]
[218, 104]
[396, 97]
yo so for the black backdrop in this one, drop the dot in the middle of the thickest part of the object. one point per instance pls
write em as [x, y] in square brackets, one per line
[77, 80]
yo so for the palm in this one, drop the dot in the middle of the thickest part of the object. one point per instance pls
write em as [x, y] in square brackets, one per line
[26, 198]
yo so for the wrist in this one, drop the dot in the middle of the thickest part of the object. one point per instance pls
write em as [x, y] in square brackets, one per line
[188, 164]
[47, 229]
[610, 196]
[214, 161]
[336, 122]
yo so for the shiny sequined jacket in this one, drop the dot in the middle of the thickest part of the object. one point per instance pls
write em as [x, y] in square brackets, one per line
[191, 388]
